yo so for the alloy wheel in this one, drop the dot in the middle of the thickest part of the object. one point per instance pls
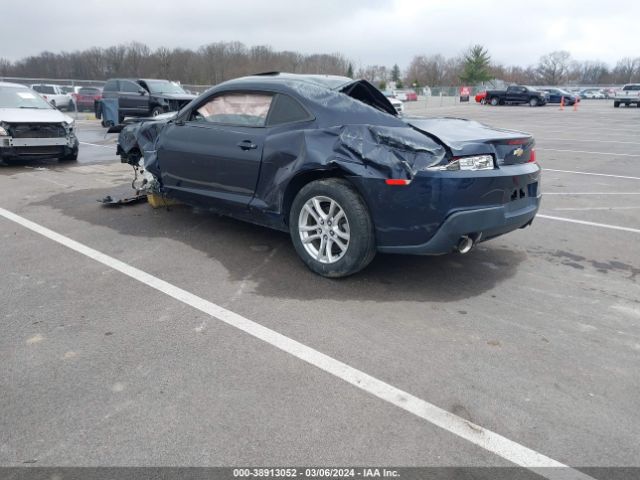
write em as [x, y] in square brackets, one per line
[324, 229]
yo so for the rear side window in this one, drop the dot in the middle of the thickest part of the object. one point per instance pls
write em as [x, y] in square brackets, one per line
[111, 86]
[286, 110]
[631, 87]
[129, 87]
[248, 109]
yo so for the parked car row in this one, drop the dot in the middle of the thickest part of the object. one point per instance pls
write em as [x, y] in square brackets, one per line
[522, 94]
[515, 94]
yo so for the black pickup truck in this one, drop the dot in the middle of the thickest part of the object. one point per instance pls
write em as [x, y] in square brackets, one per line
[145, 97]
[516, 94]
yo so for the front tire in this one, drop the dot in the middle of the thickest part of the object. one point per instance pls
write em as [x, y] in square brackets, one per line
[72, 157]
[533, 102]
[156, 111]
[331, 228]
[494, 101]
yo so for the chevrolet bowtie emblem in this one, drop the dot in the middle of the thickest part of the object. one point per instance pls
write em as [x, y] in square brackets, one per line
[518, 152]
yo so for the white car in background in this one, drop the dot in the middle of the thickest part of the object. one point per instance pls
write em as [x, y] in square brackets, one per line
[593, 94]
[31, 128]
[397, 104]
[54, 95]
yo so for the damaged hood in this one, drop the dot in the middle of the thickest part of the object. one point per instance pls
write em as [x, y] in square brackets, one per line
[457, 133]
[35, 115]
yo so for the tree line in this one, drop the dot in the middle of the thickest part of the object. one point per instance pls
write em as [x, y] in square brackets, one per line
[220, 61]
[210, 64]
[556, 68]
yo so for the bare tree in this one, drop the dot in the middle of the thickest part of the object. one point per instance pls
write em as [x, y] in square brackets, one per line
[627, 70]
[553, 67]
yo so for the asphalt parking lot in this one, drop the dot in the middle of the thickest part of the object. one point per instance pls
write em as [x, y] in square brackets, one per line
[533, 336]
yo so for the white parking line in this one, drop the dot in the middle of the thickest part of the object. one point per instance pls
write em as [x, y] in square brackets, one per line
[591, 193]
[589, 152]
[589, 173]
[586, 140]
[580, 209]
[491, 441]
[591, 224]
[98, 145]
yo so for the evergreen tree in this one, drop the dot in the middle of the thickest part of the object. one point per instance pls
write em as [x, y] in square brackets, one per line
[476, 65]
[395, 76]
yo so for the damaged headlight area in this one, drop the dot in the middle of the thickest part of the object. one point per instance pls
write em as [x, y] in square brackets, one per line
[475, 162]
[69, 126]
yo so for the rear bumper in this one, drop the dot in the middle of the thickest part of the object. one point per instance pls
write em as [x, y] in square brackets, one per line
[483, 224]
[430, 215]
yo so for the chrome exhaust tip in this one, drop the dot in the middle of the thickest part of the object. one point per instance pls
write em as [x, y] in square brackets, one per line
[465, 244]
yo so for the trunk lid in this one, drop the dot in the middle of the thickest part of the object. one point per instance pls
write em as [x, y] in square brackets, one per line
[467, 137]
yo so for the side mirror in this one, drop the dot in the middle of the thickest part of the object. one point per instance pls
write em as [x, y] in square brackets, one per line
[142, 91]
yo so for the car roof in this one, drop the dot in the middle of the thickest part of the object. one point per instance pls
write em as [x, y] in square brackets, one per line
[14, 85]
[327, 81]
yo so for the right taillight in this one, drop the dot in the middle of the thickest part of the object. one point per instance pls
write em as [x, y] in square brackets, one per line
[532, 155]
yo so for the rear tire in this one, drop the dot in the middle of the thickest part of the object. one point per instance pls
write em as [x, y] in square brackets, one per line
[616, 104]
[330, 213]
[495, 101]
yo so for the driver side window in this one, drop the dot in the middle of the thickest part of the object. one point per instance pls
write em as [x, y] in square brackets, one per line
[246, 109]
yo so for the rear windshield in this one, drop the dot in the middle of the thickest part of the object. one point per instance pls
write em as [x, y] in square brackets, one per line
[89, 91]
[22, 97]
[44, 89]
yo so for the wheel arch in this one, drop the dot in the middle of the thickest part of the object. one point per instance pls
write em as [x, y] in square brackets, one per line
[304, 178]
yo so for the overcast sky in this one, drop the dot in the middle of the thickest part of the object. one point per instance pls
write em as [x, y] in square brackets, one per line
[368, 32]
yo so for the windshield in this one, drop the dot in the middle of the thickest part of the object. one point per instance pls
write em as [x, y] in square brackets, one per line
[21, 97]
[164, 86]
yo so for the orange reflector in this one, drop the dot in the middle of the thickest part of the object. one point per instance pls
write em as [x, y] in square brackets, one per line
[397, 181]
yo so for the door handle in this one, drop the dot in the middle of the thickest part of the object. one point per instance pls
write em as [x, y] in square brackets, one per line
[247, 145]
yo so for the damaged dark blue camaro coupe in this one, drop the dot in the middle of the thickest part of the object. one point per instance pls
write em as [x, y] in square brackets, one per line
[327, 159]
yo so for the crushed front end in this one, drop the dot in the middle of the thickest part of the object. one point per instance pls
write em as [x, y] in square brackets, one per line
[37, 140]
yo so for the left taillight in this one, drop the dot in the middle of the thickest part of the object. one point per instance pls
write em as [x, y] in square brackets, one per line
[532, 156]
[397, 181]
